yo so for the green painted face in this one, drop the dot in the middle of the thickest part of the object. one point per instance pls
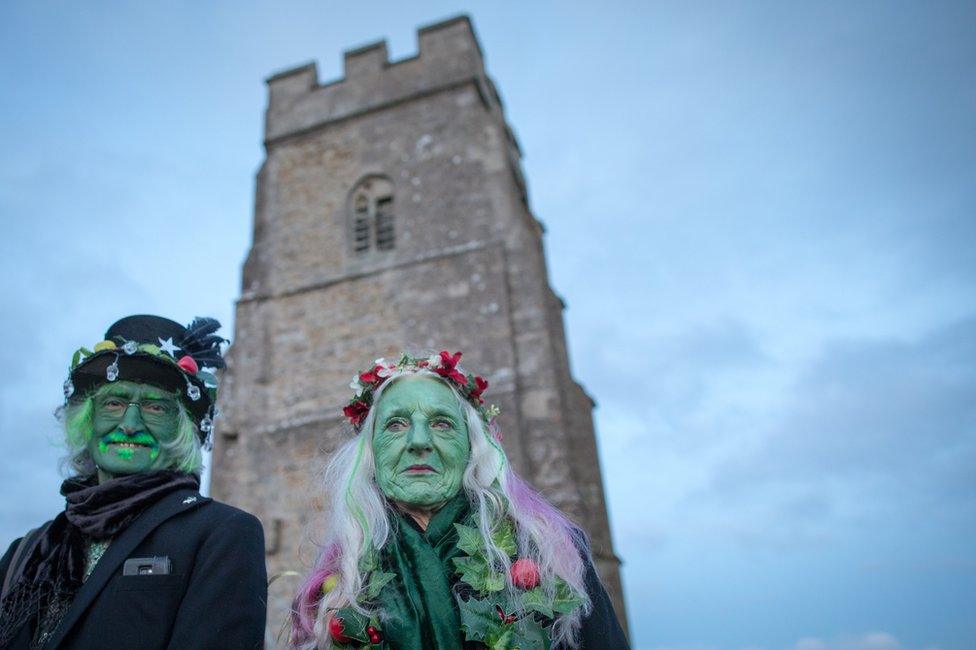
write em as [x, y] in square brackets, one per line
[420, 443]
[129, 422]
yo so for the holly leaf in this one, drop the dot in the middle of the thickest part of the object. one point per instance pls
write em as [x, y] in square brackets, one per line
[534, 600]
[565, 601]
[469, 539]
[353, 624]
[378, 580]
[474, 571]
[494, 582]
[503, 640]
[367, 562]
[479, 620]
[528, 635]
[504, 537]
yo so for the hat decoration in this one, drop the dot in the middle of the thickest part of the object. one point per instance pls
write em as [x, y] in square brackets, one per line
[366, 383]
[157, 351]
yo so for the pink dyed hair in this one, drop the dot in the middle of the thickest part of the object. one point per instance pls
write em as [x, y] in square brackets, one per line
[358, 523]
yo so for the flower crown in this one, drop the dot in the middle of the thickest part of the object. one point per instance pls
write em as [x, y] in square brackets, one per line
[444, 364]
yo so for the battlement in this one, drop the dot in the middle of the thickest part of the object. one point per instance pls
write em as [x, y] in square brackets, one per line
[448, 54]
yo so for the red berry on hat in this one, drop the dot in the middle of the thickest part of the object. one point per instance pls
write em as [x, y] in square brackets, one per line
[188, 364]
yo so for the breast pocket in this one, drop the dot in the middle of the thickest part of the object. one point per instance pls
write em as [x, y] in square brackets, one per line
[167, 582]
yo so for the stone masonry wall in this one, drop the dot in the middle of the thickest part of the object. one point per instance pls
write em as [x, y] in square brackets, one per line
[467, 273]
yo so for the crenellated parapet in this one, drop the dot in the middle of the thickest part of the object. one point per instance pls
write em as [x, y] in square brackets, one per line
[391, 213]
[448, 55]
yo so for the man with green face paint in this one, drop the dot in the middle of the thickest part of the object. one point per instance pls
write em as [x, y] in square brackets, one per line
[434, 543]
[138, 558]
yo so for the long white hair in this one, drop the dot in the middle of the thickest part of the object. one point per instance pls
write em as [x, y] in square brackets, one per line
[359, 520]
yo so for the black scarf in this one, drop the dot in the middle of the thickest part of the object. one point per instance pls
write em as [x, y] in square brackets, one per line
[55, 568]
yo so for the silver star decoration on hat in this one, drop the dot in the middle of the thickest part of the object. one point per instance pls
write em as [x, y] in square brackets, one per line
[168, 346]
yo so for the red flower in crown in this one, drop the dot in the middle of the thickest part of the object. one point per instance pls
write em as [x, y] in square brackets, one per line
[444, 364]
[356, 412]
[371, 376]
[449, 360]
[480, 386]
[448, 368]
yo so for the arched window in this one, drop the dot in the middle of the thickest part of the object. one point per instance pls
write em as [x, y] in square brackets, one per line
[372, 225]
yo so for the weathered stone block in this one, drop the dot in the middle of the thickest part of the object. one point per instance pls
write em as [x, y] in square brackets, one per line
[321, 297]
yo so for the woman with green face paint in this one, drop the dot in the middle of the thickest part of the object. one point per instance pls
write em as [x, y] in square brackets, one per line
[138, 558]
[420, 445]
[434, 542]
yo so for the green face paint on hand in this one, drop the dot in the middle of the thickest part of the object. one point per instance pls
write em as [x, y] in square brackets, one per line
[420, 443]
[130, 421]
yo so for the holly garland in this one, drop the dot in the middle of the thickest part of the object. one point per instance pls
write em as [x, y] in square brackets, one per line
[348, 627]
[491, 614]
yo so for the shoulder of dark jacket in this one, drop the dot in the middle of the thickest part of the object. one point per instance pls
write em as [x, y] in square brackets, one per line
[204, 512]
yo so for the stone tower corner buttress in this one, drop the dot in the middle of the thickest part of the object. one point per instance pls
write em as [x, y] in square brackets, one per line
[391, 212]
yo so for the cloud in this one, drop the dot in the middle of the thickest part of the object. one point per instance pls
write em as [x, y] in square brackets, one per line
[867, 641]
[896, 418]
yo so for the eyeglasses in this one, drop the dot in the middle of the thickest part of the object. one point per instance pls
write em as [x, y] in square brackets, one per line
[149, 409]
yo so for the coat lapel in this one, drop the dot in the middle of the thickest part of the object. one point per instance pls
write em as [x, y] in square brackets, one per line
[119, 550]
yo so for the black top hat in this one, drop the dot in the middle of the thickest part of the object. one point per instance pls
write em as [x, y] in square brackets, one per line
[157, 351]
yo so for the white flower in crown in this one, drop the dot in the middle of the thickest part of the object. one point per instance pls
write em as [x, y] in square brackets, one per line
[385, 368]
[434, 361]
[356, 386]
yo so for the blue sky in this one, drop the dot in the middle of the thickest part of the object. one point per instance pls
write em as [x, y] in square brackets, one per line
[774, 202]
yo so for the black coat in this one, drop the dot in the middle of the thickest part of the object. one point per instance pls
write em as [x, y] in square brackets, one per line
[214, 597]
[600, 629]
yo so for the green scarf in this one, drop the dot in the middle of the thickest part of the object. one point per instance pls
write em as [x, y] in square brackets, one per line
[419, 608]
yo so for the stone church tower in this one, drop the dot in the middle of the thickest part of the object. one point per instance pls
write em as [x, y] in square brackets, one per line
[391, 212]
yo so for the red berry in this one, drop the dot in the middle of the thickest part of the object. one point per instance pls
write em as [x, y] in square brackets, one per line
[525, 573]
[188, 364]
[337, 629]
[371, 630]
